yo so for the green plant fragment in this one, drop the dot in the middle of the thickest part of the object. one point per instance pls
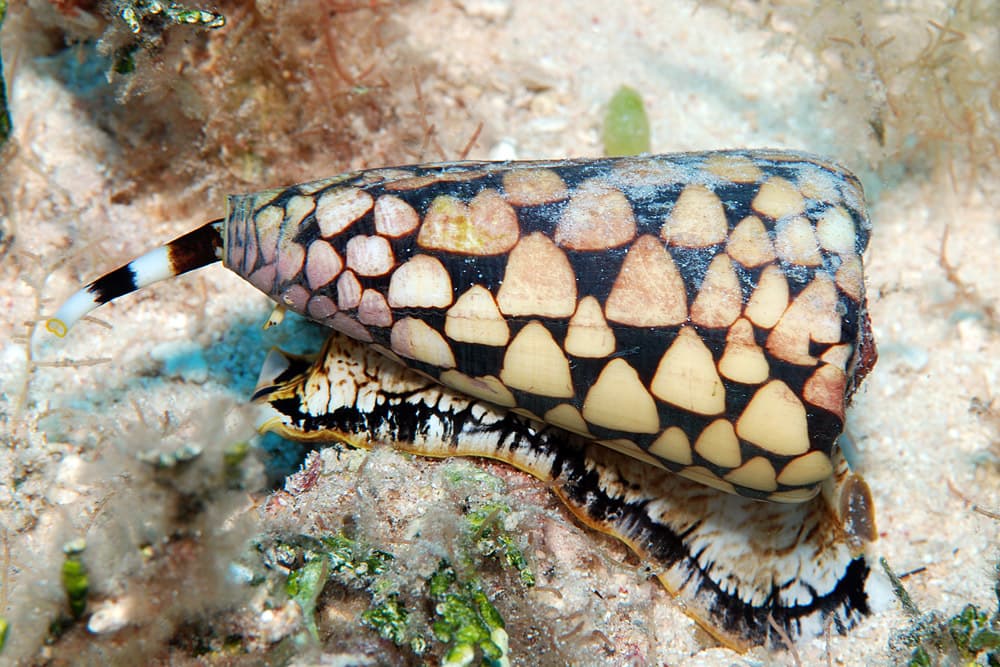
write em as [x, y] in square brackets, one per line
[626, 126]
[343, 555]
[973, 632]
[481, 479]
[75, 582]
[490, 539]
[920, 658]
[899, 590]
[466, 620]
[304, 586]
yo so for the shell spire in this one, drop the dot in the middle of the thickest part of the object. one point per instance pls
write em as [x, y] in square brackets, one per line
[193, 250]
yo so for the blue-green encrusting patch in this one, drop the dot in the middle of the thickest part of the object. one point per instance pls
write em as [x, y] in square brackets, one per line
[5, 123]
[626, 126]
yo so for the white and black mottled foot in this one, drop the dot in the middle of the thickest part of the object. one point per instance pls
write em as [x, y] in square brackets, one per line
[739, 566]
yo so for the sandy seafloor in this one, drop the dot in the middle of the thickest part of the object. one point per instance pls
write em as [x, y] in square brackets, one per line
[173, 359]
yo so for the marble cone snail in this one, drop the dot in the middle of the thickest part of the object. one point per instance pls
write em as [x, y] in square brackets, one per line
[702, 313]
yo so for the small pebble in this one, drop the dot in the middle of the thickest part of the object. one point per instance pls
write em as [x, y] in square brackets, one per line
[109, 617]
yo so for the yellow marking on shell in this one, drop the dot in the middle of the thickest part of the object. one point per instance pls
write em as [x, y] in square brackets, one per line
[686, 376]
[639, 173]
[588, 334]
[264, 198]
[673, 445]
[850, 278]
[532, 187]
[337, 209]
[757, 473]
[312, 187]
[620, 401]
[394, 217]
[835, 231]
[769, 299]
[494, 221]
[733, 168]
[707, 477]
[370, 255]
[743, 360]
[775, 420]
[415, 339]
[838, 355]
[629, 448]
[819, 184]
[597, 217]
[807, 469]
[720, 299]
[323, 264]
[475, 318]
[794, 495]
[378, 176]
[349, 326]
[568, 417]
[812, 317]
[420, 282]
[718, 443]
[386, 175]
[749, 243]
[485, 226]
[488, 388]
[412, 182]
[263, 278]
[649, 290]
[697, 220]
[825, 389]
[296, 209]
[348, 291]
[291, 257]
[321, 307]
[245, 252]
[373, 310]
[539, 280]
[777, 198]
[796, 242]
[535, 363]
[267, 225]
